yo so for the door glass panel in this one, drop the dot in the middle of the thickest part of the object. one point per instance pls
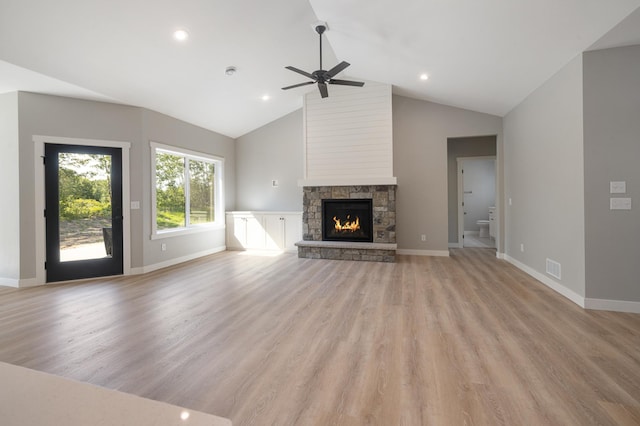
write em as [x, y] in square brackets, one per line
[85, 206]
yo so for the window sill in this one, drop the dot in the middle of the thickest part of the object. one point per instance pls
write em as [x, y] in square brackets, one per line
[187, 231]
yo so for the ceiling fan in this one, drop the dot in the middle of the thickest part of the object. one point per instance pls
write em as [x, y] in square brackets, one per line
[321, 76]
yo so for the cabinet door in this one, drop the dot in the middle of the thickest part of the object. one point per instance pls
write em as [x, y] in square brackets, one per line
[236, 232]
[292, 231]
[255, 232]
[274, 227]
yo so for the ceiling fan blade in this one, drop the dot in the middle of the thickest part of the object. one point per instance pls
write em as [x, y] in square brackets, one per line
[346, 82]
[298, 85]
[306, 74]
[335, 70]
[323, 90]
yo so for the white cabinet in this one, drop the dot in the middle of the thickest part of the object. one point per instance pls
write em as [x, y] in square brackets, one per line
[264, 230]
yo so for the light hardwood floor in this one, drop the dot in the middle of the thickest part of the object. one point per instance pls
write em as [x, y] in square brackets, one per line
[262, 340]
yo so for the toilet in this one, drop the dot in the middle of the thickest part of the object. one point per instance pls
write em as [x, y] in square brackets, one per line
[484, 228]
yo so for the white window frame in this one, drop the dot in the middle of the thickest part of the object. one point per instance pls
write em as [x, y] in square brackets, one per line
[218, 201]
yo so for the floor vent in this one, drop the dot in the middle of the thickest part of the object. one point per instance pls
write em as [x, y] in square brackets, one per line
[553, 268]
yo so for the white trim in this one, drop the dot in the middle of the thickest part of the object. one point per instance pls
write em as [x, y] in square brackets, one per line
[349, 181]
[150, 268]
[193, 229]
[460, 190]
[412, 252]
[39, 220]
[9, 282]
[29, 282]
[613, 305]
[80, 141]
[557, 287]
[500, 255]
[184, 151]
[219, 212]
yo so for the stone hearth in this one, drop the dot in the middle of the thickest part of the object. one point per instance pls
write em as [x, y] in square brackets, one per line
[383, 247]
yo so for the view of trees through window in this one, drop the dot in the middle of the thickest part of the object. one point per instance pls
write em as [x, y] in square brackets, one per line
[84, 186]
[177, 176]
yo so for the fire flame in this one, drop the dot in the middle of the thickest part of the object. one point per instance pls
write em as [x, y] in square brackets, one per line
[348, 225]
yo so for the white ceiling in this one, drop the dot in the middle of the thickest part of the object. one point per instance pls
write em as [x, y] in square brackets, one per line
[481, 55]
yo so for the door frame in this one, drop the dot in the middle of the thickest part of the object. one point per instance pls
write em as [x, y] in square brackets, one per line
[460, 161]
[40, 255]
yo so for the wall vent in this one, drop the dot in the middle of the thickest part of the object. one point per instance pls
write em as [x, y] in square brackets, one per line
[553, 268]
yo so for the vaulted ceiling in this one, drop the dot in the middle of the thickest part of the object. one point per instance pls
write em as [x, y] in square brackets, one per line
[481, 55]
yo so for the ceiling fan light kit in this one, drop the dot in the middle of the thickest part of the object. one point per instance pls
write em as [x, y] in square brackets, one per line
[322, 77]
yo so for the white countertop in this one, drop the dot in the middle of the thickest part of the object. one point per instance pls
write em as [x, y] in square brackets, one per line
[29, 397]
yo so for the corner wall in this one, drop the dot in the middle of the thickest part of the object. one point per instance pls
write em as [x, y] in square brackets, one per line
[612, 153]
[273, 151]
[544, 179]
[9, 191]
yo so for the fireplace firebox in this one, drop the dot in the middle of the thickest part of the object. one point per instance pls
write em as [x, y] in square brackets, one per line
[347, 220]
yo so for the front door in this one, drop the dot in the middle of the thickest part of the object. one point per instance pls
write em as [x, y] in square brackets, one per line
[83, 201]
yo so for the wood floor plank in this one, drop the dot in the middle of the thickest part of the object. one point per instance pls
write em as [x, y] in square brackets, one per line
[278, 340]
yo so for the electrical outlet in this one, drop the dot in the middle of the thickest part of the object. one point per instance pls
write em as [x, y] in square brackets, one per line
[521, 247]
[423, 237]
[163, 247]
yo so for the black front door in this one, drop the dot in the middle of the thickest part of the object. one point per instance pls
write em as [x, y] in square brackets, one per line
[83, 201]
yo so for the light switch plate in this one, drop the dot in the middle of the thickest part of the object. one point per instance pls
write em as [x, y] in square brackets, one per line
[617, 187]
[620, 203]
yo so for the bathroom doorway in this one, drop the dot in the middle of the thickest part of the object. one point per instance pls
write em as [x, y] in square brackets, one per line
[469, 148]
[476, 201]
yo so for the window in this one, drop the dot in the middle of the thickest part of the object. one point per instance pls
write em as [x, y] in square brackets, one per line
[186, 192]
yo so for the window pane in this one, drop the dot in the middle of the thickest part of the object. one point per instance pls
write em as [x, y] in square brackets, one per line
[170, 200]
[201, 192]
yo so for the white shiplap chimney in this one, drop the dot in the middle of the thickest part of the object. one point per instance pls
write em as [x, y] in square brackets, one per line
[348, 138]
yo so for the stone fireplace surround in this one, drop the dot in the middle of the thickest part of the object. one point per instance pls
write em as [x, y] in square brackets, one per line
[382, 249]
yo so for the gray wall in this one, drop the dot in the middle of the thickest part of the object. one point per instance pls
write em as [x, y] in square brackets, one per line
[9, 190]
[420, 162]
[66, 117]
[611, 153]
[544, 177]
[274, 151]
[161, 128]
[463, 147]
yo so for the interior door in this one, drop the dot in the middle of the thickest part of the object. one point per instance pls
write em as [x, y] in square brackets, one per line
[83, 209]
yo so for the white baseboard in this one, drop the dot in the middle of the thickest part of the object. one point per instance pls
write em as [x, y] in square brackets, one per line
[613, 305]
[9, 282]
[30, 282]
[177, 260]
[555, 286]
[586, 303]
[423, 252]
[500, 255]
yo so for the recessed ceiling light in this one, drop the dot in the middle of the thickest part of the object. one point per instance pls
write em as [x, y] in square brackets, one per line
[266, 97]
[424, 77]
[180, 35]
